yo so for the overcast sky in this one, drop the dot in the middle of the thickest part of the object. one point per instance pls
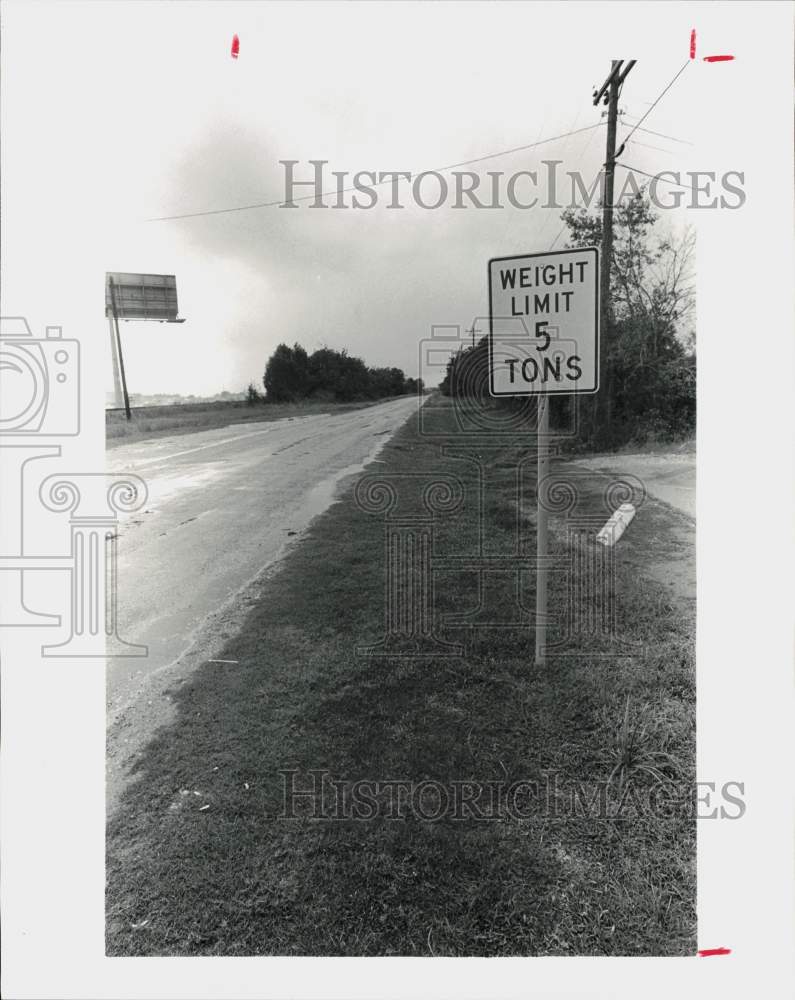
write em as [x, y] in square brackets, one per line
[114, 113]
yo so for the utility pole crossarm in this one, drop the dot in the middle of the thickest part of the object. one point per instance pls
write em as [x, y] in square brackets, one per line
[616, 75]
[625, 72]
[599, 94]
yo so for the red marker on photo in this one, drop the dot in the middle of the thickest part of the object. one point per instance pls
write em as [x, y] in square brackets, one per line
[709, 59]
[235, 46]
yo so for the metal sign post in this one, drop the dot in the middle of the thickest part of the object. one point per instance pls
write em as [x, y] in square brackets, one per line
[542, 532]
[544, 341]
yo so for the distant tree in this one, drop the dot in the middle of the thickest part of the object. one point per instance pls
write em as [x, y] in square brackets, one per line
[335, 374]
[325, 372]
[253, 396]
[286, 377]
[328, 374]
[354, 383]
[387, 382]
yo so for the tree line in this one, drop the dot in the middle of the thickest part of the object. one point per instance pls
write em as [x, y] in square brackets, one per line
[327, 375]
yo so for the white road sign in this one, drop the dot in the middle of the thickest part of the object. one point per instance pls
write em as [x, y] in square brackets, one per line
[544, 323]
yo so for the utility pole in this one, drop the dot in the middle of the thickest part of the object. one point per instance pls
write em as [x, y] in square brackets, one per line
[473, 330]
[608, 94]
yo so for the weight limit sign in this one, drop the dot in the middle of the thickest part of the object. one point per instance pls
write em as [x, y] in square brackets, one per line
[544, 323]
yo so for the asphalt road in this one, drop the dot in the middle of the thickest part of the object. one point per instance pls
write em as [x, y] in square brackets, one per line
[222, 504]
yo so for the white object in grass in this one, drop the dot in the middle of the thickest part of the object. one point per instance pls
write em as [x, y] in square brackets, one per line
[616, 525]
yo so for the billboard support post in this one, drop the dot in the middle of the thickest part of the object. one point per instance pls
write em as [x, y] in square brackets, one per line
[542, 531]
[118, 397]
[118, 349]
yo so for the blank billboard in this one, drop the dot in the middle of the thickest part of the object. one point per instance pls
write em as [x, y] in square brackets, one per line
[142, 296]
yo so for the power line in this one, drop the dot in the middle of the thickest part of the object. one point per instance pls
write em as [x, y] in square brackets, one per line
[646, 145]
[505, 152]
[660, 135]
[339, 191]
[582, 157]
[562, 156]
[654, 177]
[657, 101]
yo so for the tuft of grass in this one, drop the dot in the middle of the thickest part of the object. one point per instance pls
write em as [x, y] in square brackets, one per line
[636, 748]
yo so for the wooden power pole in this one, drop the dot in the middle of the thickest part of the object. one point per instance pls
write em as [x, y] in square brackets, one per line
[608, 94]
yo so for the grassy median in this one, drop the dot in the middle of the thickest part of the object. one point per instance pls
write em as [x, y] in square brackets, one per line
[295, 805]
